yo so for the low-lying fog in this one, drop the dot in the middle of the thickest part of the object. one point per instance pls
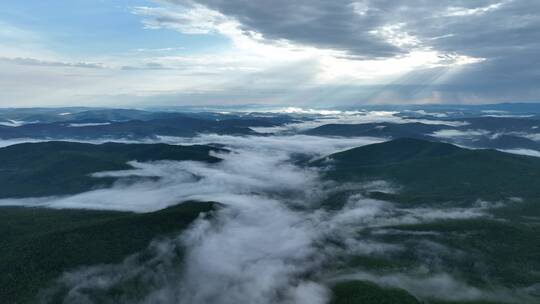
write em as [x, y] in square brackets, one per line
[270, 242]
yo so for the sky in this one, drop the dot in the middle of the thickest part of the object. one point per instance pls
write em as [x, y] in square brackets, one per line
[284, 52]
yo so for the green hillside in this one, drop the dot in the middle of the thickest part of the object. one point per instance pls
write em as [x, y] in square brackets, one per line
[56, 168]
[360, 292]
[438, 171]
[38, 244]
[498, 249]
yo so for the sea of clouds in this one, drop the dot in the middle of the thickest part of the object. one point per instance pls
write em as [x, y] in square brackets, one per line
[271, 242]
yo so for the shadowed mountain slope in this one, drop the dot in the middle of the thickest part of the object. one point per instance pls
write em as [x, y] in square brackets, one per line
[56, 168]
[439, 171]
[39, 244]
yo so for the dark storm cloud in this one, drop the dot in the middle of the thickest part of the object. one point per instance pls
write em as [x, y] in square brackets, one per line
[476, 28]
[507, 28]
[505, 33]
[508, 37]
[319, 23]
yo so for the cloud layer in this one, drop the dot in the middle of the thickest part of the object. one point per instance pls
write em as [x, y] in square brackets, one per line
[287, 52]
[274, 241]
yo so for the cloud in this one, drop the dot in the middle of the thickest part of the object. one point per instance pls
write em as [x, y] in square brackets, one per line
[260, 254]
[89, 124]
[532, 136]
[322, 117]
[48, 63]
[196, 19]
[244, 172]
[282, 146]
[154, 269]
[462, 55]
[270, 242]
[463, 11]
[450, 133]
[263, 60]
[10, 142]
[321, 24]
[295, 52]
[364, 213]
[256, 250]
[527, 152]
[363, 29]
[13, 123]
[147, 66]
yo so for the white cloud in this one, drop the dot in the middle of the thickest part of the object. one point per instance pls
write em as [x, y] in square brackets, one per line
[360, 7]
[250, 63]
[50, 63]
[193, 20]
[532, 136]
[250, 52]
[454, 11]
[451, 133]
[269, 242]
[89, 124]
[10, 142]
[13, 123]
[395, 34]
[322, 117]
[527, 152]
[243, 172]
[266, 246]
